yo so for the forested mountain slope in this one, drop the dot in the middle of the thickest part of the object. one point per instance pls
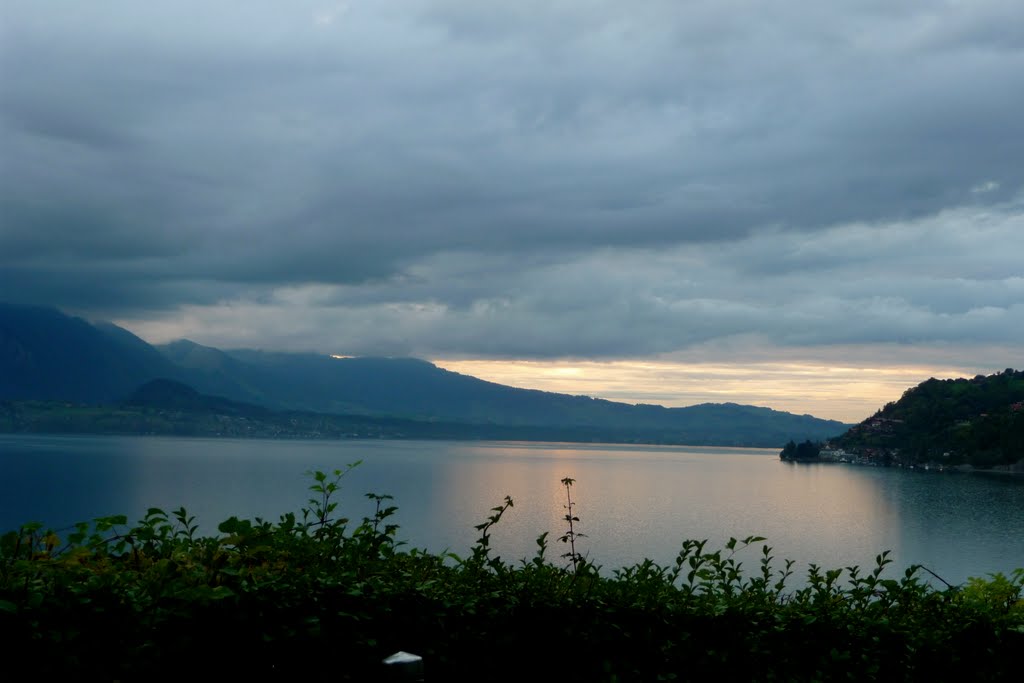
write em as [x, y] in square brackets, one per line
[977, 421]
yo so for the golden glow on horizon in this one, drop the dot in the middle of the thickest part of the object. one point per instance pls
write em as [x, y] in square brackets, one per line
[565, 372]
[845, 393]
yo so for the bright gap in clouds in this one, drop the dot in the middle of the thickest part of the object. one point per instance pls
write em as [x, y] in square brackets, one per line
[848, 394]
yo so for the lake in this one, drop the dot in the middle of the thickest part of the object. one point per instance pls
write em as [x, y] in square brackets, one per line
[633, 501]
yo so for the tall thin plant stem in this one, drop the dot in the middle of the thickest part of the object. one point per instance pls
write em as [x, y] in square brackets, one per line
[570, 535]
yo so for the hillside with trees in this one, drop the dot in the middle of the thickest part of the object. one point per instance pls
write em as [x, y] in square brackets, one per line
[977, 422]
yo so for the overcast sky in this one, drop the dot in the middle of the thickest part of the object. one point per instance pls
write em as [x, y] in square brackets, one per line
[805, 205]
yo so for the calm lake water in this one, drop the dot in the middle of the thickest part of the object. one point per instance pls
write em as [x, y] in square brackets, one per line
[633, 501]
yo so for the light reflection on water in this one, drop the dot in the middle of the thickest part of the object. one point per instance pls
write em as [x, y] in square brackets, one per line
[633, 501]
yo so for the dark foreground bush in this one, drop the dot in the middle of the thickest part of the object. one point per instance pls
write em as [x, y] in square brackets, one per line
[316, 595]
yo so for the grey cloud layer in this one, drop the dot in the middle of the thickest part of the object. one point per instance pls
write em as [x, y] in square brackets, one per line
[850, 284]
[536, 178]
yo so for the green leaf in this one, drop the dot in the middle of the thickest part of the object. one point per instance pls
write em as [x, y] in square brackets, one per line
[233, 525]
[221, 592]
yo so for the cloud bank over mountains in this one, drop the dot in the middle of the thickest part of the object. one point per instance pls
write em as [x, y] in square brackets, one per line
[537, 180]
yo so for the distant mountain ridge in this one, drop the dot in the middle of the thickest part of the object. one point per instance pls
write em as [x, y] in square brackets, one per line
[167, 394]
[45, 354]
[415, 389]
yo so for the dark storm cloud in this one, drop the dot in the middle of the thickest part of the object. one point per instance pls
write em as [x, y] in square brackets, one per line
[529, 179]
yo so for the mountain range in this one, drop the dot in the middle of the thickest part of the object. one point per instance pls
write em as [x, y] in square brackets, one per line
[47, 355]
